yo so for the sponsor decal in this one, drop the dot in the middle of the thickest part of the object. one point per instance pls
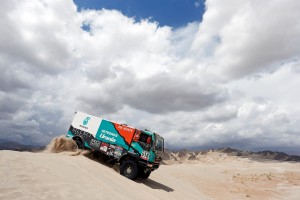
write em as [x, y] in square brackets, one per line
[109, 136]
[125, 132]
[118, 151]
[110, 150]
[145, 155]
[83, 126]
[86, 121]
[104, 146]
[95, 143]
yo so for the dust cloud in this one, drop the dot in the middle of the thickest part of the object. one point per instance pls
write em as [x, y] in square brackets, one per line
[62, 144]
[68, 146]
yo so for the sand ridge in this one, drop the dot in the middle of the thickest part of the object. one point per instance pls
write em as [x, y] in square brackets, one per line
[67, 174]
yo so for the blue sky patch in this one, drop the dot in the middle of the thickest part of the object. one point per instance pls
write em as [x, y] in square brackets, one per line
[174, 13]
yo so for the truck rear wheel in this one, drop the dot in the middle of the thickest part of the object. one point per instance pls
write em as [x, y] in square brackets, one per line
[129, 169]
[143, 174]
[79, 143]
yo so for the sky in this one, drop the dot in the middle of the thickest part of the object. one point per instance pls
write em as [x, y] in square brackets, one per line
[174, 13]
[201, 74]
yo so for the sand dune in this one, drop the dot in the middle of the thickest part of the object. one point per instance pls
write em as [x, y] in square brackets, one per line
[69, 175]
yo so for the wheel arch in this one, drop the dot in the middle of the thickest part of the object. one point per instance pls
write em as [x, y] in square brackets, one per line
[77, 137]
[128, 156]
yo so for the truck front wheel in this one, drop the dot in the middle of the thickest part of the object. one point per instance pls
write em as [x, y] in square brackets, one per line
[129, 169]
[143, 174]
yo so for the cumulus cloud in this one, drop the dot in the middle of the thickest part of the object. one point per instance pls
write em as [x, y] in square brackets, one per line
[207, 84]
[245, 37]
[35, 36]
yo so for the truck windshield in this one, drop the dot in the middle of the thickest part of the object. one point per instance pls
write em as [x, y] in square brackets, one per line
[159, 143]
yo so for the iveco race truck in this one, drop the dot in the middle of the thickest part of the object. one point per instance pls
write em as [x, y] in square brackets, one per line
[139, 152]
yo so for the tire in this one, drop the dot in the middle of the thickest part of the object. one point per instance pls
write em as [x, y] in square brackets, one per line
[129, 169]
[79, 143]
[144, 175]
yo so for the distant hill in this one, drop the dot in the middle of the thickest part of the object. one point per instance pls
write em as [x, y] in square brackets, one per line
[184, 154]
[181, 155]
[14, 146]
[268, 155]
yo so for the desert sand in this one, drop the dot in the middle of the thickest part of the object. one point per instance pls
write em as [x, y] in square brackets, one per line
[71, 175]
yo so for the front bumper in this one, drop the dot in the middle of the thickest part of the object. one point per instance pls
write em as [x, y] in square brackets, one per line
[149, 166]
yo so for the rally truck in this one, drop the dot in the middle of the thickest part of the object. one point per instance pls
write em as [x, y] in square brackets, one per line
[138, 152]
